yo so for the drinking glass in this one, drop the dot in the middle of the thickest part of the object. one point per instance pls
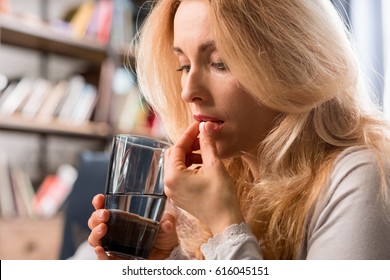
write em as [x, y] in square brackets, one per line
[134, 195]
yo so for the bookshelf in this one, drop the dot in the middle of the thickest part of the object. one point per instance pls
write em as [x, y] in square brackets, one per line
[45, 39]
[48, 37]
[98, 131]
[39, 36]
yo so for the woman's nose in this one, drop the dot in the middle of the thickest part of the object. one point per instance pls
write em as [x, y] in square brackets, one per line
[194, 88]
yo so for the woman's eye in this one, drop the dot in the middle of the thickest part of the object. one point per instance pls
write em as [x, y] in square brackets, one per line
[184, 68]
[219, 66]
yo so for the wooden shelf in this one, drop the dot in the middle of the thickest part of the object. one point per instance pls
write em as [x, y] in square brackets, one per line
[90, 130]
[28, 33]
[42, 37]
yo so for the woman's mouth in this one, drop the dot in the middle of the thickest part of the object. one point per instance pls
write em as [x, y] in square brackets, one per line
[217, 122]
[203, 118]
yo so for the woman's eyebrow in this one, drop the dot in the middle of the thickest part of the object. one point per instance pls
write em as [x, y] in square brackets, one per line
[177, 49]
[203, 47]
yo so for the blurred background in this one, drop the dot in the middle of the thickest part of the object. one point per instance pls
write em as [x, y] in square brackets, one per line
[73, 57]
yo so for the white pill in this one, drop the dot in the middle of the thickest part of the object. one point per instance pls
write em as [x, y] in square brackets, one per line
[201, 125]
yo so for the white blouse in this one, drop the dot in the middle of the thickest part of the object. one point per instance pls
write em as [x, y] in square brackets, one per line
[349, 221]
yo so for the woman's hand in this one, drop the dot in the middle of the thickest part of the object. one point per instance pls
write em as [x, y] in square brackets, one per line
[206, 192]
[166, 238]
[97, 225]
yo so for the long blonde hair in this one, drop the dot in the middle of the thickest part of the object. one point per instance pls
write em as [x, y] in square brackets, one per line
[295, 57]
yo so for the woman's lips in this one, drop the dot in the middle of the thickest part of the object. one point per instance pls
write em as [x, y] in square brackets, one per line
[217, 122]
[204, 118]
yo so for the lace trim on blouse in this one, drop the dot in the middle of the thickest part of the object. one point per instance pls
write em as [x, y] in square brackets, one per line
[233, 235]
[178, 254]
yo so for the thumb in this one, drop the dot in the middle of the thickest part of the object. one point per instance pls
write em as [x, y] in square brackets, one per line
[208, 148]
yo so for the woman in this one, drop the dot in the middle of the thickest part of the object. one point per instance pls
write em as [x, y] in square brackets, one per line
[293, 156]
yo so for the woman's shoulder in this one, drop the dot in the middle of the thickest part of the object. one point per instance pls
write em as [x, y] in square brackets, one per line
[355, 155]
[354, 182]
[357, 169]
[350, 216]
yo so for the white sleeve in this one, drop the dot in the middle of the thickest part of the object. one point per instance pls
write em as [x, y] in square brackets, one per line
[236, 242]
[352, 221]
[178, 254]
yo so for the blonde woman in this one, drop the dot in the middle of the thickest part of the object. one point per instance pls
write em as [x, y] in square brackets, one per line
[293, 157]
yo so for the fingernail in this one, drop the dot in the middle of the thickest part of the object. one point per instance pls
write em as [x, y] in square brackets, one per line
[101, 214]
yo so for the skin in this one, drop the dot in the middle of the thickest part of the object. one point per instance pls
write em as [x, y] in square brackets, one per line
[166, 241]
[232, 125]
[211, 89]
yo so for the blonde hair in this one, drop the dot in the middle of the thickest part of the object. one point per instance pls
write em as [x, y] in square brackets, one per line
[295, 57]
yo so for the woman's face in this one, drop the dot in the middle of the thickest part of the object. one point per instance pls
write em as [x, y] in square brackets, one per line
[210, 88]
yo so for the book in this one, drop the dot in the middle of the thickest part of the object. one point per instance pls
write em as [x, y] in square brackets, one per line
[23, 192]
[104, 20]
[40, 90]
[53, 191]
[17, 97]
[7, 203]
[81, 19]
[75, 88]
[92, 28]
[6, 92]
[100, 21]
[5, 6]
[53, 101]
[85, 105]
[3, 82]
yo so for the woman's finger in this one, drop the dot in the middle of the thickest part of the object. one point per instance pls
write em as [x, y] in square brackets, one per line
[210, 157]
[101, 254]
[98, 217]
[96, 235]
[188, 139]
[98, 201]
